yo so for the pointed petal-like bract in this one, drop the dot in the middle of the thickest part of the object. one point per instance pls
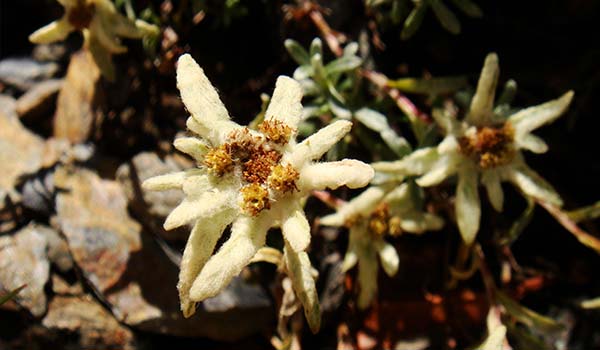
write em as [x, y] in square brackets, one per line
[416, 222]
[165, 182]
[350, 259]
[296, 229]
[347, 172]
[199, 248]
[110, 42]
[299, 271]
[482, 103]
[367, 276]
[533, 185]
[388, 256]
[314, 146]
[247, 237]
[491, 181]
[416, 163]
[285, 103]
[531, 143]
[446, 166]
[101, 56]
[529, 119]
[196, 207]
[362, 204]
[202, 100]
[192, 146]
[468, 207]
[52, 32]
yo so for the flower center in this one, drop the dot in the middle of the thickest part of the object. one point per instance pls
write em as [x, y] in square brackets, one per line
[81, 14]
[489, 146]
[378, 220]
[257, 162]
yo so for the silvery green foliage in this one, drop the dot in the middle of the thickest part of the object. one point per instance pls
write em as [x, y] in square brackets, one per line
[369, 217]
[485, 147]
[410, 13]
[251, 179]
[328, 86]
[332, 89]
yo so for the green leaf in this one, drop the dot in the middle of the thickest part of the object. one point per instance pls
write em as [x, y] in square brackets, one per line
[446, 17]
[339, 110]
[400, 10]
[521, 223]
[527, 316]
[434, 86]
[343, 64]
[316, 47]
[586, 213]
[11, 295]
[378, 123]
[413, 22]
[469, 8]
[297, 52]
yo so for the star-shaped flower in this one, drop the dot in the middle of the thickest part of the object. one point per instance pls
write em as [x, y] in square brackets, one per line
[101, 26]
[253, 179]
[484, 147]
[369, 217]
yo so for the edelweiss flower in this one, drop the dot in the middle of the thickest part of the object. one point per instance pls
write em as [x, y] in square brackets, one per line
[369, 217]
[101, 26]
[485, 146]
[253, 179]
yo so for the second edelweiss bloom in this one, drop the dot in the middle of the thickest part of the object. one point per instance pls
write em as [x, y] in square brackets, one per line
[251, 179]
[369, 217]
[484, 147]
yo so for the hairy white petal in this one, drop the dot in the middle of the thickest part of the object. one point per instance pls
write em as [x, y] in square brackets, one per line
[388, 256]
[367, 276]
[491, 180]
[285, 103]
[300, 273]
[416, 163]
[415, 222]
[531, 143]
[529, 119]
[247, 237]
[532, 184]
[202, 101]
[196, 207]
[446, 166]
[192, 146]
[199, 247]
[110, 42]
[468, 207]
[350, 259]
[400, 195]
[362, 204]
[482, 103]
[346, 172]
[295, 228]
[268, 254]
[317, 144]
[52, 32]
[165, 182]
[196, 183]
[495, 340]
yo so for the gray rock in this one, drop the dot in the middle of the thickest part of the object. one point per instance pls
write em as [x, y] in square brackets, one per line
[92, 215]
[148, 300]
[152, 207]
[23, 261]
[82, 315]
[24, 72]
